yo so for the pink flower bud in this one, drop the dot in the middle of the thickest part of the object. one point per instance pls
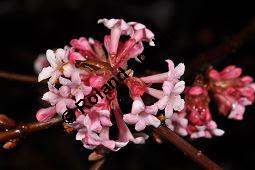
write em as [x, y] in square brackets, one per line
[44, 115]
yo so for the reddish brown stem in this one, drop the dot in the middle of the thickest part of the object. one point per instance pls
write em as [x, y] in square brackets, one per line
[97, 165]
[6, 122]
[224, 49]
[18, 77]
[28, 128]
[196, 155]
[193, 153]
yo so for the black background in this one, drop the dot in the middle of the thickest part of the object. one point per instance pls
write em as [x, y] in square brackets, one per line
[182, 31]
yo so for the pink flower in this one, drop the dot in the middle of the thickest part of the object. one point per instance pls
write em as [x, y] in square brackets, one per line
[97, 117]
[238, 109]
[228, 73]
[142, 115]
[60, 98]
[78, 88]
[141, 120]
[96, 130]
[141, 33]
[83, 44]
[69, 83]
[199, 116]
[173, 74]
[169, 98]
[118, 27]
[75, 56]
[231, 91]
[207, 130]
[56, 60]
[195, 119]
[136, 85]
[124, 133]
[83, 49]
[97, 81]
[40, 63]
[178, 123]
[44, 115]
[120, 52]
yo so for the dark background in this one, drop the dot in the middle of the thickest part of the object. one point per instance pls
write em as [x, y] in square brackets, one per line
[182, 31]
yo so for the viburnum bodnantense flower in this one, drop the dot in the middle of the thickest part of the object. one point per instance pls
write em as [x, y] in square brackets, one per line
[195, 120]
[232, 91]
[169, 98]
[75, 72]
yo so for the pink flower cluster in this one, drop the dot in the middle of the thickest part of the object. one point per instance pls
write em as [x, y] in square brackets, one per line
[75, 72]
[169, 98]
[68, 83]
[231, 91]
[195, 119]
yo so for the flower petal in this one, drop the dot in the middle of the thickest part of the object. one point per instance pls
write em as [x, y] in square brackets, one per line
[44, 115]
[137, 106]
[179, 87]
[161, 103]
[45, 73]
[179, 70]
[167, 87]
[130, 118]
[140, 125]
[168, 111]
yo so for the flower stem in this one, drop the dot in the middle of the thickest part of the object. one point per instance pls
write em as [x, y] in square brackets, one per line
[189, 150]
[196, 155]
[223, 49]
[18, 77]
[98, 164]
[6, 122]
[26, 129]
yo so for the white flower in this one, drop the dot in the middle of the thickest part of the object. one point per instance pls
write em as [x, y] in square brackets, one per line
[57, 60]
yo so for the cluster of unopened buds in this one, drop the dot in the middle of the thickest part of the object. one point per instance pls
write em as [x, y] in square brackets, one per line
[81, 70]
[231, 93]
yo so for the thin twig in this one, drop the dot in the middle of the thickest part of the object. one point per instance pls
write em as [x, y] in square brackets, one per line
[223, 49]
[6, 122]
[193, 153]
[18, 77]
[28, 128]
[98, 164]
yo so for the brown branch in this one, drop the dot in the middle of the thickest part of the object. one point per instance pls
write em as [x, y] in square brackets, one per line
[28, 128]
[6, 122]
[223, 49]
[187, 148]
[98, 164]
[18, 77]
[196, 155]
